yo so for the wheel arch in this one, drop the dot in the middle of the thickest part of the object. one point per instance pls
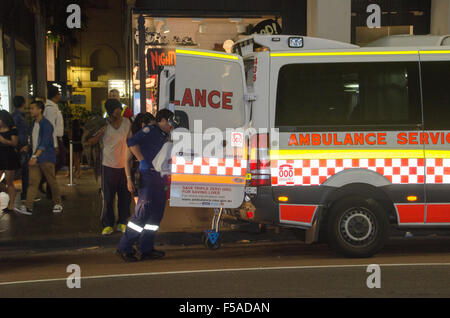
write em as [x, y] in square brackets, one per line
[357, 189]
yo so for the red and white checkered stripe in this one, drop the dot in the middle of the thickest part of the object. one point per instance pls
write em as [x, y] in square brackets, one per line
[398, 171]
[210, 166]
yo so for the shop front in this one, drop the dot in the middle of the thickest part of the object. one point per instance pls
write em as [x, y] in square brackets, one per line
[213, 25]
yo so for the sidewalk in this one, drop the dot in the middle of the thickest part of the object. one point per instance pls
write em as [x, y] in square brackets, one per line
[79, 224]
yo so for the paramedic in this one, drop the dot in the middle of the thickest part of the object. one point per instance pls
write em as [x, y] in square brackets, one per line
[144, 224]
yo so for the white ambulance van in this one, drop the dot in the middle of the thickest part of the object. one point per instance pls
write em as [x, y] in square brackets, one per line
[349, 141]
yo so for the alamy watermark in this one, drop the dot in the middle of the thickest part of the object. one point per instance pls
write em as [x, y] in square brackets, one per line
[374, 19]
[74, 19]
[374, 279]
[74, 279]
[218, 143]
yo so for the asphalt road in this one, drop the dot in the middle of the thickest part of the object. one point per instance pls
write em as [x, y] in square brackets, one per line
[408, 268]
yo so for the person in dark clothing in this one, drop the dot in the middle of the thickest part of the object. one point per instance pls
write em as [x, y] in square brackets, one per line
[9, 159]
[132, 170]
[143, 225]
[23, 146]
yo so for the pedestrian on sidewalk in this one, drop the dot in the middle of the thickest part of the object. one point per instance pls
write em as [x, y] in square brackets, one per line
[132, 169]
[23, 145]
[54, 116]
[144, 223]
[113, 138]
[9, 159]
[42, 162]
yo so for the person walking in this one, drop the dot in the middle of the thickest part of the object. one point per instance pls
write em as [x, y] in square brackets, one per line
[42, 162]
[113, 138]
[144, 223]
[23, 147]
[9, 159]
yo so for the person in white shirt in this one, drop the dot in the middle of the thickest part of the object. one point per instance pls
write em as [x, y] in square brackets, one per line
[114, 181]
[54, 116]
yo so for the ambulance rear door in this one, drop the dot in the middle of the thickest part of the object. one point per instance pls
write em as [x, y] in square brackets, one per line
[209, 160]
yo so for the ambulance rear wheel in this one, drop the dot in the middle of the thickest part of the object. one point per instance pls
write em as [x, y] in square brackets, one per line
[357, 227]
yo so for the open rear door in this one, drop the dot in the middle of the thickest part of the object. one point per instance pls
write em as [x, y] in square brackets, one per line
[209, 160]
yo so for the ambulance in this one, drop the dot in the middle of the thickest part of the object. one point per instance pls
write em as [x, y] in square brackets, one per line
[347, 142]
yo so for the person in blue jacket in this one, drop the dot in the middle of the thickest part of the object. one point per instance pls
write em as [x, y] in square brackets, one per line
[42, 162]
[149, 211]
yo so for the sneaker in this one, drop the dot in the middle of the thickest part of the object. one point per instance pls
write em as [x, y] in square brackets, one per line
[152, 255]
[108, 230]
[121, 228]
[57, 208]
[23, 210]
[129, 258]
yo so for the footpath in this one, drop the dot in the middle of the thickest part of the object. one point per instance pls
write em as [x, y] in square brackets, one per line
[79, 226]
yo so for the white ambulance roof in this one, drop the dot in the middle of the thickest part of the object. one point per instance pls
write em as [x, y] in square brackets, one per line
[281, 43]
[405, 40]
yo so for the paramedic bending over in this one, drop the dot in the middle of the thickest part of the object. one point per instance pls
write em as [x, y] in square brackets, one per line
[145, 221]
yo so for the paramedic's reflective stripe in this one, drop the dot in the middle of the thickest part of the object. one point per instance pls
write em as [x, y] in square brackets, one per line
[135, 227]
[357, 154]
[358, 53]
[207, 54]
[150, 227]
[186, 178]
[139, 229]
[210, 166]
[396, 170]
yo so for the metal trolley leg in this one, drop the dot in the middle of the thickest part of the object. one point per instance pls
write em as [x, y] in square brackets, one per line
[211, 238]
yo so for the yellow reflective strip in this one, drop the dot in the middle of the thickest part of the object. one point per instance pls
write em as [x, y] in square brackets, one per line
[342, 53]
[283, 154]
[435, 52]
[222, 56]
[439, 154]
[196, 178]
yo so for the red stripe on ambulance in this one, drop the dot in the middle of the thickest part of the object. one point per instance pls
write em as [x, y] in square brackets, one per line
[297, 213]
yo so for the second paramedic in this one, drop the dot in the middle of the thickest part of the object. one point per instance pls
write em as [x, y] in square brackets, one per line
[144, 223]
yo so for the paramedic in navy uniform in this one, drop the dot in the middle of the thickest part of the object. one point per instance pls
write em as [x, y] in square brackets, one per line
[144, 223]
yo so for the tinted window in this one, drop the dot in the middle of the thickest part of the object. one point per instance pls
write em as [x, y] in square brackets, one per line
[348, 94]
[436, 94]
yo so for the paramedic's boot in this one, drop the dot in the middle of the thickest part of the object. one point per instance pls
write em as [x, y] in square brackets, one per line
[121, 228]
[154, 254]
[129, 258]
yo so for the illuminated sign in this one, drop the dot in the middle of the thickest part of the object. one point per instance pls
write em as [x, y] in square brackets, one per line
[157, 58]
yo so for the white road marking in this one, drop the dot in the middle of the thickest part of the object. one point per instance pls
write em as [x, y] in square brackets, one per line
[222, 270]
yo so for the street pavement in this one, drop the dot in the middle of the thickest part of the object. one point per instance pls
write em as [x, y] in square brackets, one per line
[418, 267]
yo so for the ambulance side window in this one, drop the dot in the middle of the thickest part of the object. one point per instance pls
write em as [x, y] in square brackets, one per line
[436, 94]
[346, 95]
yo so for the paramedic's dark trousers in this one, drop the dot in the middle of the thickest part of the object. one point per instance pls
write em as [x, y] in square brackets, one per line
[145, 221]
[114, 181]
